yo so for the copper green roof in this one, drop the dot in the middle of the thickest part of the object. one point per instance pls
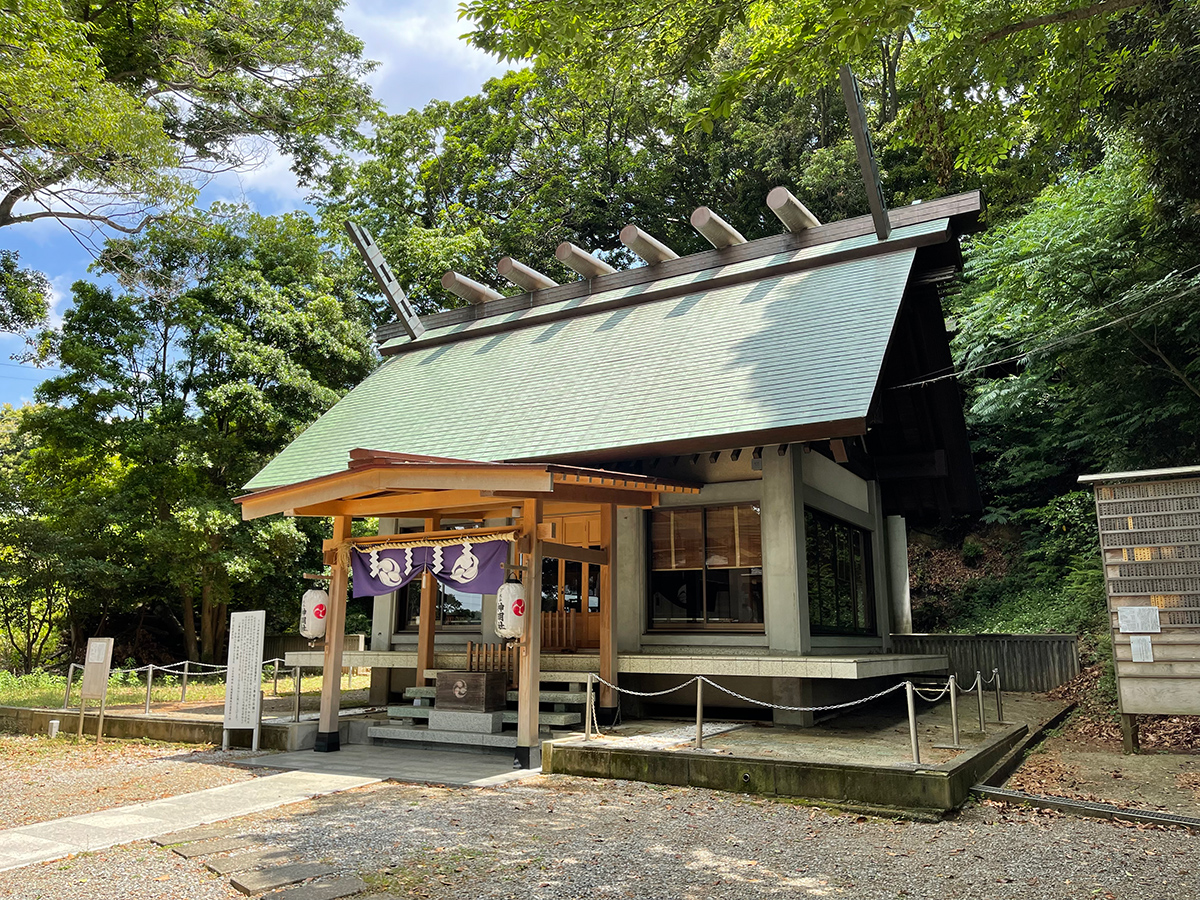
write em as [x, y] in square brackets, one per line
[705, 359]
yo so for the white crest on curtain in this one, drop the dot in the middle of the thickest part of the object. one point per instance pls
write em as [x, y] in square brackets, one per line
[466, 567]
[386, 570]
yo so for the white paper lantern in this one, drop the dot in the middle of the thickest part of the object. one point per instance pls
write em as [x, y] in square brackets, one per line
[510, 609]
[313, 610]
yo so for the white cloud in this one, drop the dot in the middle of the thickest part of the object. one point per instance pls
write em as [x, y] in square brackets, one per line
[421, 58]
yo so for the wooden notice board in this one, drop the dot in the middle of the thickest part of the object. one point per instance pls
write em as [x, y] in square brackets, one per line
[1150, 542]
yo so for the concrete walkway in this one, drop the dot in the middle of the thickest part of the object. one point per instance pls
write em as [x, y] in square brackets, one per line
[79, 834]
[462, 768]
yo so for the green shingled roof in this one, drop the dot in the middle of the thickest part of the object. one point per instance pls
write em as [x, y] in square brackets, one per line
[784, 350]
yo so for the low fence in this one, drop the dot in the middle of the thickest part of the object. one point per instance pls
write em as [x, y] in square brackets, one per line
[1030, 662]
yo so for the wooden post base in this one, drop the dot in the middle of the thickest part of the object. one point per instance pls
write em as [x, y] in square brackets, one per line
[528, 758]
[1129, 734]
[328, 742]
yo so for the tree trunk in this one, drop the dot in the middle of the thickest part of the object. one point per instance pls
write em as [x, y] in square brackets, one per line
[206, 623]
[189, 623]
[222, 629]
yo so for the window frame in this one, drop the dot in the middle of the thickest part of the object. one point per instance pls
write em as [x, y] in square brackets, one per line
[869, 603]
[705, 626]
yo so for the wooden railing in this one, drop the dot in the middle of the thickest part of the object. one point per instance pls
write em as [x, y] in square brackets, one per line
[560, 630]
[1027, 662]
[494, 658]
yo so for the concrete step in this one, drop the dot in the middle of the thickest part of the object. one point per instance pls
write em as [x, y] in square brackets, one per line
[567, 677]
[430, 693]
[424, 733]
[510, 715]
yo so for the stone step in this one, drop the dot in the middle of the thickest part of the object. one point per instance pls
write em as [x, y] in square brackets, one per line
[259, 881]
[194, 849]
[423, 733]
[244, 862]
[323, 890]
[510, 715]
[430, 693]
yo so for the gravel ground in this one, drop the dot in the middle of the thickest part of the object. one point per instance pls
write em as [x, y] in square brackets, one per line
[50, 779]
[557, 837]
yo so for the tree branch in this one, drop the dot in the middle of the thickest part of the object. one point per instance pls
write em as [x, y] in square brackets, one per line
[1078, 14]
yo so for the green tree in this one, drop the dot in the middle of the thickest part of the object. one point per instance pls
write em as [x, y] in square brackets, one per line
[990, 77]
[226, 337]
[24, 295]
[1080, 331]
[111, 113]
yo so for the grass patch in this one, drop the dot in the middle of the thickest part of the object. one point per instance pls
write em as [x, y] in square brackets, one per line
[45, 689]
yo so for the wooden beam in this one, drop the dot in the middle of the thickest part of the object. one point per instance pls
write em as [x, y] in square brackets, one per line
[575, 554]
[391, 505]
[529, 687]
[583, 493]
[608, 606]
[382, 478]
[335, 633]
[427, 625]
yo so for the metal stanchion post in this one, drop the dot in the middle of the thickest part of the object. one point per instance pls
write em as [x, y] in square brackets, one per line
[296, 702]
[954, 708]
[275, 667]
[70, 678]
[699, 713]
[999, 698]
[912, 721]
[587, 713]
[183, 692]
[979, 695]
[149, 683]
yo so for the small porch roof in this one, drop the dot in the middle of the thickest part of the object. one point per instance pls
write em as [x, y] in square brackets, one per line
[382, 483]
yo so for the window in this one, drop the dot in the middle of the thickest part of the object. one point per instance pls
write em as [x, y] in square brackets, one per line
[454, 608]
[841, 595]
[706, 568]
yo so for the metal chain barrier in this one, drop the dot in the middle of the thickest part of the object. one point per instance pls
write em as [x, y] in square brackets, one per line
[184, 669]
[833, 706]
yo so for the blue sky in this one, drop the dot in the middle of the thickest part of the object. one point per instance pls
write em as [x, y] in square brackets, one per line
[420, 59]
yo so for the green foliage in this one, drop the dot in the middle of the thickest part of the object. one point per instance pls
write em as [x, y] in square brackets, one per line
[24, 295]
[990, 78]
[228, 335]
[972, 552]
[1080, 328]
[109, 109]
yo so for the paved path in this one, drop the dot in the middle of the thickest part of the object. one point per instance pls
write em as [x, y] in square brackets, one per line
[94, 831]
[411, 764]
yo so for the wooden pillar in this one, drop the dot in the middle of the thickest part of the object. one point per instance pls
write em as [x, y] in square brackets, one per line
[335, 632]
[529, 754]
[427, 626]
[608, 614]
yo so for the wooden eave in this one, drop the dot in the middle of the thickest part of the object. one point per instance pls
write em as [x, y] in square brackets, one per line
[378, 483]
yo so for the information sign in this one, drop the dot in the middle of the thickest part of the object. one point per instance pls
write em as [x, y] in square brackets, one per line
[96, 667]
[243, 678]
[1138, 620]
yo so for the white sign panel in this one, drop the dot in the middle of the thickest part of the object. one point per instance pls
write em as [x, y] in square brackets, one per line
[96, 667]
[243, 680]
[1135, 619]
[1141, 647]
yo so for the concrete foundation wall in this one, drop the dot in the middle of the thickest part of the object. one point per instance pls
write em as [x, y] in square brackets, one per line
[934, 789]
[284, 736]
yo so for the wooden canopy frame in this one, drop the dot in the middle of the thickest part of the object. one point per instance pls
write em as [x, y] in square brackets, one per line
[386, 484]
